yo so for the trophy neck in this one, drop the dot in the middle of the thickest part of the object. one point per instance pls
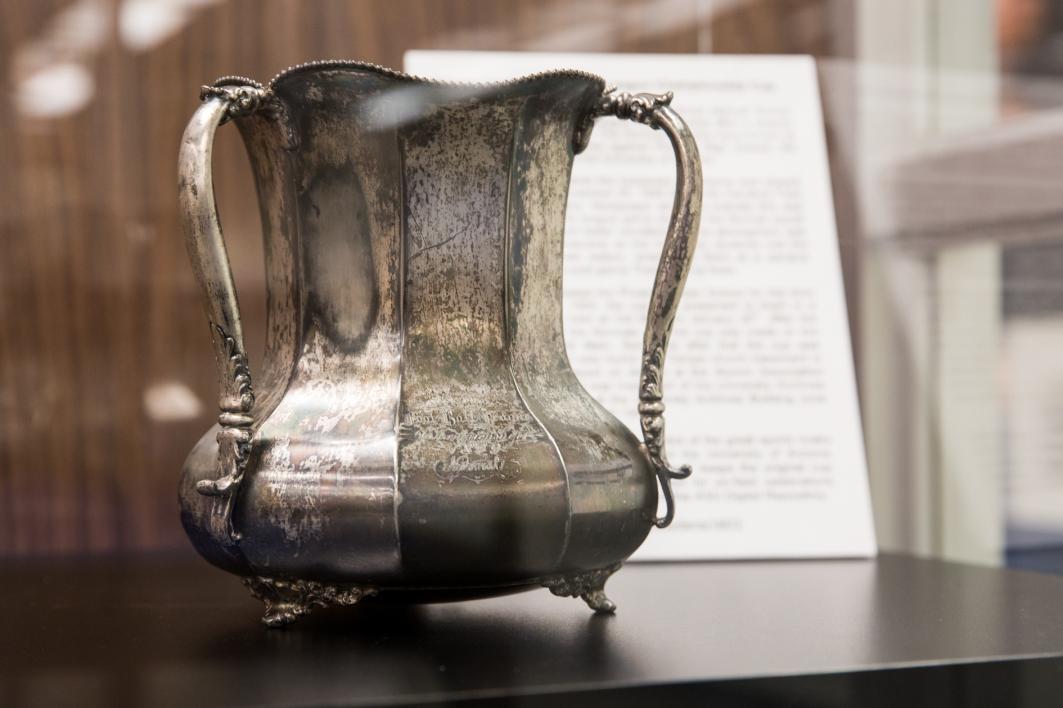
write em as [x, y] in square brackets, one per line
[401, 210]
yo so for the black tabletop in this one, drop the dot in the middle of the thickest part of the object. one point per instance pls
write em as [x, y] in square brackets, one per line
[174, 631]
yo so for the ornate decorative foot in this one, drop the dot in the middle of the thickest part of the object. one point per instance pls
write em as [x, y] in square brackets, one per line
[288, 600]
[590, 586]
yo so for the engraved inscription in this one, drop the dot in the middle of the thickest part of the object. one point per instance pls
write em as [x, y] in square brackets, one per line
[472, 433]
[475, 447]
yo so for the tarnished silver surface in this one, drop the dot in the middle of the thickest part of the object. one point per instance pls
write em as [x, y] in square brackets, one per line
[416, 427]
[288, 600]
[588, 586]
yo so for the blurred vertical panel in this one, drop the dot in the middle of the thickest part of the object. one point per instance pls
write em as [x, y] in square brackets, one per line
[106, 378]
[780, 27]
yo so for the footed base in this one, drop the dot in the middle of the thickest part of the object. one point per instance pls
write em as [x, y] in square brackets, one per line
[288, 600]
[589, 585]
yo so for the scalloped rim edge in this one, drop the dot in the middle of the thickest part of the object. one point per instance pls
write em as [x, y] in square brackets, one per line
[393, 73]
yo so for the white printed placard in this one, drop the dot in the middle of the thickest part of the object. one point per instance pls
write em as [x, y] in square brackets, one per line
[759, 382]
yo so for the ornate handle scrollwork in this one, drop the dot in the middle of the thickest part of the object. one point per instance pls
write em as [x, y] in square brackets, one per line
[232, 97]
[654, 110]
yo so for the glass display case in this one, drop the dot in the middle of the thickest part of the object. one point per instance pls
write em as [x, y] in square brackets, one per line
[944, 132]
[105, 379]
[942, 128]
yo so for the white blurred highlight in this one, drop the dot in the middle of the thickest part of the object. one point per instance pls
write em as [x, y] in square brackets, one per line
[56, 90]
[51, 73]
[171, 401]
[143, 24]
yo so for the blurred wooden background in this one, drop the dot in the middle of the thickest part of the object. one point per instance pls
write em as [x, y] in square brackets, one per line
[106, 375]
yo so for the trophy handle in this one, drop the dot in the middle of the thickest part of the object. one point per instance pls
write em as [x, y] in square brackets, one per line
[210, 263]
[654, 110]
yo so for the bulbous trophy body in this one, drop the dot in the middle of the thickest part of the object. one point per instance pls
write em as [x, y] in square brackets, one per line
[416, 429]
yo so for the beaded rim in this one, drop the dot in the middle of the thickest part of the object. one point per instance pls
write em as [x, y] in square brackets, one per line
[393, 73]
